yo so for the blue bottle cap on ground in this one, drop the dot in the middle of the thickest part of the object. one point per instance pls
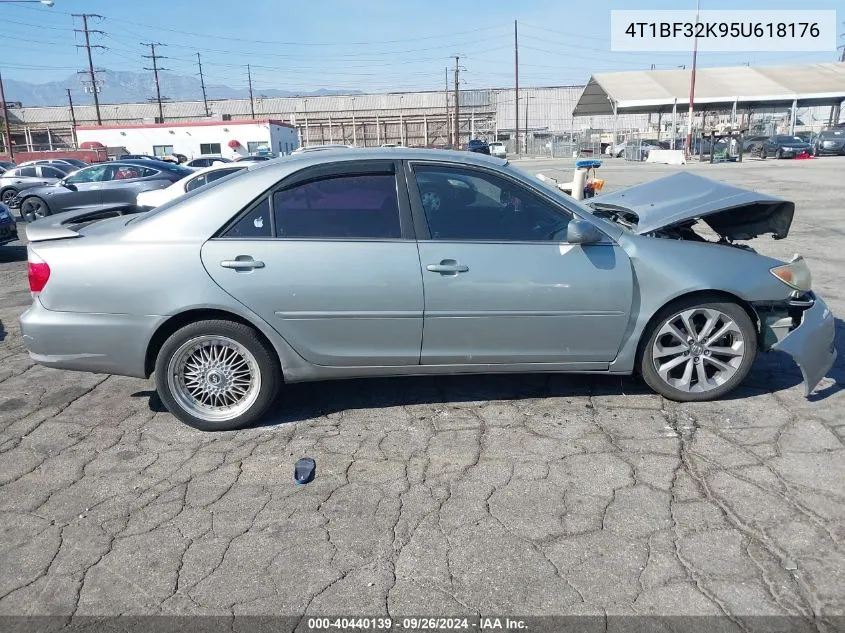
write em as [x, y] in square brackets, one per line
[304, 470]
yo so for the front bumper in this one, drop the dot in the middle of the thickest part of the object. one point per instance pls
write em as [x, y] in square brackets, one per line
[811, 344]
[81, 341]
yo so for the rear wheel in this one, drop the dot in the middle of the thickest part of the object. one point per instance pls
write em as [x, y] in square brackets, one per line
[698, 350]
[33, 209]
[217, 375]
[7, 195]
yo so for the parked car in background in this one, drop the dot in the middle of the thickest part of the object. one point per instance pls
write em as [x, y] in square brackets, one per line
[207, 161]
[478, 146]
[830, 141]
[784, 146]
[110, 185]
[6, 164]
[135, 157]
[498, 149]
[66, 163]
[254, 158]
[753, 144]
[320, 148]
[333, 265]
[17, 179]
[8, 226]
[157, 197]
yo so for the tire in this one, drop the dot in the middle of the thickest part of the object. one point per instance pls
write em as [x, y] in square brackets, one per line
[221, 403]
[763, 153]
[779, 154]
[723, 370]
[7, 194]
[34, 208]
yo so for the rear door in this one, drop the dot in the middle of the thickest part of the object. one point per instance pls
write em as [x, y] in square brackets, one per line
[329, 259]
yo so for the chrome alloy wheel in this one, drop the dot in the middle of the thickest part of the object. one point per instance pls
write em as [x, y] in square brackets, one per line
[698, 350]
[214, 378]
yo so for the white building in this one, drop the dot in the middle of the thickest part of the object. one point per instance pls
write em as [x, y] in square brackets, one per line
[231, 139]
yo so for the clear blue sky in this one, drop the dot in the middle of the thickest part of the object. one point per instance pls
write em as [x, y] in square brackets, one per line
[365, 44]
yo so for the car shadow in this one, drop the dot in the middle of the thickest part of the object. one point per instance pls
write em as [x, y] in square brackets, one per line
[301, 402]
[12, 253]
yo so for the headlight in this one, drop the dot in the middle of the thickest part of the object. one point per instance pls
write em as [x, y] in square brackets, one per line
[795, 274]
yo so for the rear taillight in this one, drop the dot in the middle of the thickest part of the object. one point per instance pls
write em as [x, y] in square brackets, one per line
[39, 273]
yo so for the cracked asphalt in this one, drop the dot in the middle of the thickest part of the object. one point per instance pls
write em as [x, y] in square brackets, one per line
[435, 496]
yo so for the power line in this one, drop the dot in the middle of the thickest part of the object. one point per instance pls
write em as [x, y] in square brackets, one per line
[155, 70]
[92, 78]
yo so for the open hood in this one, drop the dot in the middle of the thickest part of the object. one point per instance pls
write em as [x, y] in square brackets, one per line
[732, 212]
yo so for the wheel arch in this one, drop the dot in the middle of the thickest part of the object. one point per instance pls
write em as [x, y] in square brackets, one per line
[180, 320]
[701, 295]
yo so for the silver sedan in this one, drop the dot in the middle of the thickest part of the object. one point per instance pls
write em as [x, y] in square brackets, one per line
[340, 264]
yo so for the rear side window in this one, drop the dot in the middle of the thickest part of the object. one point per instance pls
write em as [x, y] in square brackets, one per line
[363, 206]
[51, 172]
[197, 182]
[255, 223]
[28, 172]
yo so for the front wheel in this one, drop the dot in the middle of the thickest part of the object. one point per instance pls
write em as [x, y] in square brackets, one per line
[7, 196]
[33, 209]
[698, 350]
[763, 153]
[779, 154]
[217, 375]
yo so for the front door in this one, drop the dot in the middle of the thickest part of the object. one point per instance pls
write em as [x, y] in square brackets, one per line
[502, 285]
[85, 191]
[329, 260]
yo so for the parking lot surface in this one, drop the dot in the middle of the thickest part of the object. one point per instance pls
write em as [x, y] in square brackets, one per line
[450, 495]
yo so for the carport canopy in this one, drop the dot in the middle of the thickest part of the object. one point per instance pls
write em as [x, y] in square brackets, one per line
[749, 87]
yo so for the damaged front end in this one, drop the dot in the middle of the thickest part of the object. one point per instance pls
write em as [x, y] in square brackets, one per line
[803, 327]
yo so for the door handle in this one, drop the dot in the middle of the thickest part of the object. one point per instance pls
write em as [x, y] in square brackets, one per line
[242, 263]
[447, 267]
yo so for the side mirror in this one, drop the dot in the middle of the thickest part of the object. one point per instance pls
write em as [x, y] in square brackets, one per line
[582, 232]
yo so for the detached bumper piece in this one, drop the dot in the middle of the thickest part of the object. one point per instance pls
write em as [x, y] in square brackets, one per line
[804, 328]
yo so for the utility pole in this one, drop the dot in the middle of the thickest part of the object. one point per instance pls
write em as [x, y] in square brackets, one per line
[457, 104]
[155, 70]
[202, 83]
[448, 131]
[95, 89]
[516, 85]
[6, 121]
[692, 83]
[835, 110]
[251, 100]
[72, 118]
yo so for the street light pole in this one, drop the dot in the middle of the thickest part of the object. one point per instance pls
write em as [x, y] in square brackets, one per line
[354, 130]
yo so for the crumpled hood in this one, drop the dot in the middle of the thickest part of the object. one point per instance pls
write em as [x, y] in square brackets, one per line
[732, 212]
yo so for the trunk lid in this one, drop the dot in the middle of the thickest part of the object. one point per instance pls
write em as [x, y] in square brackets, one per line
[72, 224]
[681, 198]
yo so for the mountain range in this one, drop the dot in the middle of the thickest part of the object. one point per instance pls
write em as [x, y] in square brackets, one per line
[120, 86]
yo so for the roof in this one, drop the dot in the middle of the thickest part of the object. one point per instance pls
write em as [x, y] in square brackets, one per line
[747, 86]
[215, 122]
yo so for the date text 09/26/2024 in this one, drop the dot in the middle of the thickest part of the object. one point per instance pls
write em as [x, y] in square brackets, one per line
[415, 624]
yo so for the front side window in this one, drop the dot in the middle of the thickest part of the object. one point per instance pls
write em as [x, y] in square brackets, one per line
[361, 206]
[210, 148]
[468, 205]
